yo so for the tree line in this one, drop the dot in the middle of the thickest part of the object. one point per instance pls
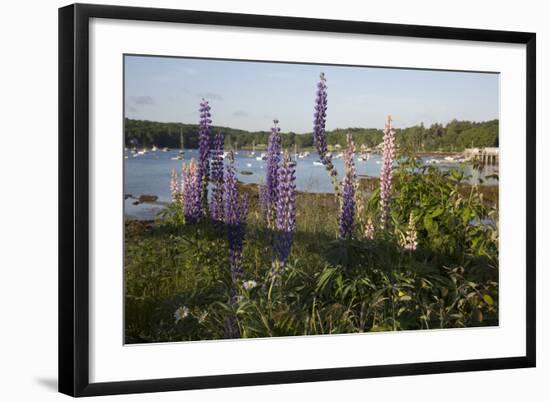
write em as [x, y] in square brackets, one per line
[453, 136]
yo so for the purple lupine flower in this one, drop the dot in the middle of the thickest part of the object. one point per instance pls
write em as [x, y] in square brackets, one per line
[319, 132]
[174, 186]
[216, 176]
[235, 214]
[388, 156]
[286, 209]
[269, 192]
[191, 193]
[347, 207]
[204, 152]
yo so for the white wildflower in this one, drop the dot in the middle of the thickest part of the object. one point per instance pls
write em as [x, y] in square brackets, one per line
[181, 313]
[248, 285]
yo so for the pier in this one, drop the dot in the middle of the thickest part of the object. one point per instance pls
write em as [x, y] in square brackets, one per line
[482, 155]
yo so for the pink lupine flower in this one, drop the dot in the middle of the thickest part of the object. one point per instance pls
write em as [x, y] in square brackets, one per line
[174, 185]
[368, 233]
[191, 193]
[388, 156]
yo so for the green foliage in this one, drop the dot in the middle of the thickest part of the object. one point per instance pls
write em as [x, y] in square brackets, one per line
[455, 136]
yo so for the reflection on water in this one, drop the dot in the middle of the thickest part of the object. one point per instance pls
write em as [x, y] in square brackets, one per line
[150, 174]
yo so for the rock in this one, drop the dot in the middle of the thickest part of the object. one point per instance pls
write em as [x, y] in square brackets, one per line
[128, 196]
[148, 198]
[244, 172]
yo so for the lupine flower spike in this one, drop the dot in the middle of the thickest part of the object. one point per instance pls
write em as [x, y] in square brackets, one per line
[348, 187]
[409, 241]
[386, 172]
[235, 213]
[174, 186]
[234, 217]
[369, 230]
[204, 152]
[286, 209]
[268, 193]
[191, 193]
[319, 132]
[216, 176]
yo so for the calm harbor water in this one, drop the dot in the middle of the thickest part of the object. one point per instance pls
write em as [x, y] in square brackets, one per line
[150, 174]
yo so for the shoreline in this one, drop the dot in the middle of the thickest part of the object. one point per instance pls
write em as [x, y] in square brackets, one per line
[367, 184]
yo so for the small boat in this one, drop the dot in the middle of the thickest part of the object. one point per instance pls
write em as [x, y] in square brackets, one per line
[248, 165]
[263, 156]
[364, 157]
[154, 148]
[165, 149]
[317, 163]
[253, 153]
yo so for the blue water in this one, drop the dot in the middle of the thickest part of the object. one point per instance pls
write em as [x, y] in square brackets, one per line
[150, 174]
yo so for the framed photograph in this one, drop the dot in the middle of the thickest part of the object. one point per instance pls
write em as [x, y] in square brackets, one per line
[251, 199]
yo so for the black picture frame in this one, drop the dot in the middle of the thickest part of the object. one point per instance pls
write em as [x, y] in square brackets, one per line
[74, 200]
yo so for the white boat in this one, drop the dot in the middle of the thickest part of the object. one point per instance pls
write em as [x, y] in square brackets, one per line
[317, 163]
[263, 156]
[165, 149]
[248, 165]
[364, 157]
[154, 148]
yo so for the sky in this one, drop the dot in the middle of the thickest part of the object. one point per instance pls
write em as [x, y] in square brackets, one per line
[249, 95]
